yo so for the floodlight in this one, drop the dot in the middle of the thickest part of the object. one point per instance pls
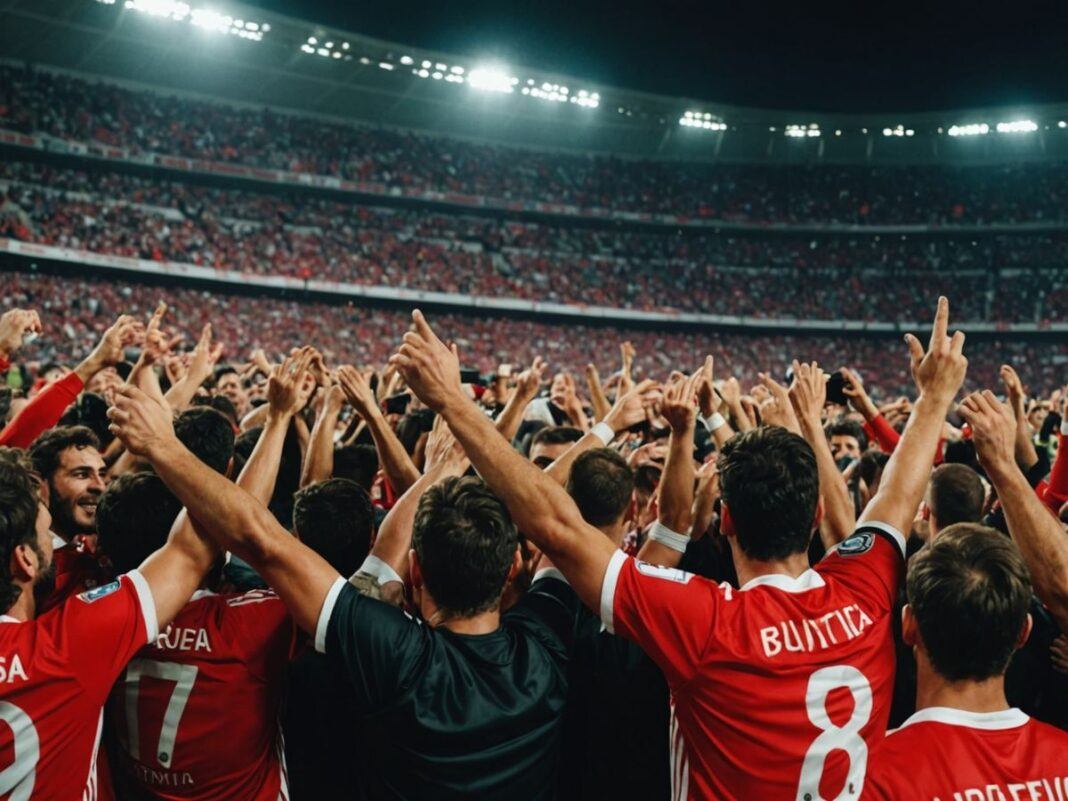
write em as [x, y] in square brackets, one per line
[971, 129]
[1017, 126]
[406, 60]
[491, 79]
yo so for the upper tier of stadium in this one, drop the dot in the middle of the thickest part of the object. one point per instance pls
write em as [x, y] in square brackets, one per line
[245, 55]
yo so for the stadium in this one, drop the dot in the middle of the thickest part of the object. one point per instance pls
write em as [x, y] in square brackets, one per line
[690, 313]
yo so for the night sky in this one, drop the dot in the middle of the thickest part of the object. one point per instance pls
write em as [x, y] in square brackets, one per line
[864, 56]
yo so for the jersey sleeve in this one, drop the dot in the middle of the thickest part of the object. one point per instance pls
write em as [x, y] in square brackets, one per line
[870, 562]
[668, 612]
[549, 611]
[100, 630]
[375, 643]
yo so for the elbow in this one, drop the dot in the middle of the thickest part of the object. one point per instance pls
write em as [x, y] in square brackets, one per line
[252, 535]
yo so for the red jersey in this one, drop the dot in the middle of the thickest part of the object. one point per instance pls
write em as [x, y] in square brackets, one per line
[942, 754]
[55, 674]
[77, 570]
[196, 713]
[779, 688]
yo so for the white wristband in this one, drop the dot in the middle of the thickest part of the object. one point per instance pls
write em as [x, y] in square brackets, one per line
[715, 421]
[603, 432]
[1064, 426]
[671, 539]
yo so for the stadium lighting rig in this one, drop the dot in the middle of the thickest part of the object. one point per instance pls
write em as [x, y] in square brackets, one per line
[1017, 126]
[207, 19]
[705, 120]
[900, 130]
[801, 131]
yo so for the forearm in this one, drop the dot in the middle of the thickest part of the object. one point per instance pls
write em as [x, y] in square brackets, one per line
[601, 406]
[908, 471]
[1040, 537]
[740, 417]
[510, 418]
[42, 412]
[560, 469]
[838, 515]
[260, 472]
[677, 483]
[319, 460]
[255, 418]
[879, 428]
[232, 517]
[182, 391]
[1026, 456]
[400, 471]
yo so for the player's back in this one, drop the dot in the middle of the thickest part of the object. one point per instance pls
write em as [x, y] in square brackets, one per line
[55, 674]
[948, 754]
[196, 714]
[779, 688]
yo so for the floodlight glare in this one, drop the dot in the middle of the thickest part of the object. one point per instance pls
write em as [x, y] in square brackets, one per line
[1017, 126]
[406, 60]
[972, 129]
[491, 79]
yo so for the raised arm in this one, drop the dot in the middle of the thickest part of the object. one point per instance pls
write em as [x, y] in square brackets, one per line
[938, 374]
[1026, 455]
[808, 394]
[540, 507]
[668, 540]
[221, 510]
[205, 356]
[396, 463]
[319, 460]
[1038, 533]
[526, 389]
[877, 424]
[444, 458]
[599, 401]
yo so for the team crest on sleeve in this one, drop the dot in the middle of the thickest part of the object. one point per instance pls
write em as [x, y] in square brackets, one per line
[858, 543]
[97, 593]
[665, 573]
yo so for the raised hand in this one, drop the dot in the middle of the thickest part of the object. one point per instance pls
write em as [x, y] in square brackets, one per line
[529, 381]
[1014, 389]
[939, 372]
[808, 393]
[291, 384]
[993, 431]
[16, 328]
[679, 406]
[111, 349]
[776, 409]
[140, 422]
[441, 446]
[707, 399]
[626, 376]
[630, 409]
[428, 365]
[858, 395]
[156, 344]
[206, 355]
[357, 389]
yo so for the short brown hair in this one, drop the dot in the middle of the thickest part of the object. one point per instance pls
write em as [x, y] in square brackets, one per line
[956, 495]
[601, 483]
[969, 591]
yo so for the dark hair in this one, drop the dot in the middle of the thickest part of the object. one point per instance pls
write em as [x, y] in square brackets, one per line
[601, 482]
[412, 426]
[357, 463]
[18, 516]
[220, 403]
[465, 541]
[224, 369]
[844, 427]
[556, 435]
[956, 495]
[90, 410]
[208, 434]
[771, 489]
[133, 519]
[335, 519]
[969, 591]
[647, 477]
[46, 449]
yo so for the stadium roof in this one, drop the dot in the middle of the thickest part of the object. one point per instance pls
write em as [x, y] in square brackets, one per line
[285, 62]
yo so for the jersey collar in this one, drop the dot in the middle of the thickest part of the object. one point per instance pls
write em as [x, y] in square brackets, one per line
[991, 721]
[57, 541]
[9, 619]
[809, 580]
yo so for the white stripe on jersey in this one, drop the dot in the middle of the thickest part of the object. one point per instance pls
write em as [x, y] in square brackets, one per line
[89, 793]
[680, 765]
[283, 771]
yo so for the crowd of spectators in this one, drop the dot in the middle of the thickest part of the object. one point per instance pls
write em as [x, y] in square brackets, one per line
[1005, 278]
[35, 101]
[362, 335]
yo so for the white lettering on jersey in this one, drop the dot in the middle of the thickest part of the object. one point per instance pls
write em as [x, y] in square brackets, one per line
[184, 640]
[815, 634]
[10, 671]
[162, 778]
[1051, 789]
